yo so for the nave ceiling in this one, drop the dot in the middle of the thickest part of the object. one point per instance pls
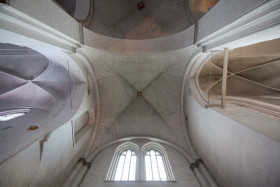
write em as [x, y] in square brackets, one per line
[157, 112]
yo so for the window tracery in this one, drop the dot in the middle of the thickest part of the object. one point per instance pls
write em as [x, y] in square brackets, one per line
[149, 164]
[123, 165]
[157, 166]
[154, 167]
[126, 167]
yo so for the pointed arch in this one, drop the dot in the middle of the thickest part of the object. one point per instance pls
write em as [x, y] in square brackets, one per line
[123, 165]
[156, 165]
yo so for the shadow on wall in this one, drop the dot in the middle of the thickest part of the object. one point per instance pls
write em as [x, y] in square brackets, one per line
[68, 5]
[3, 1]
[78, 9]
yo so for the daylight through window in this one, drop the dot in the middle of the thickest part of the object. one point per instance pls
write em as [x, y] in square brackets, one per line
[154, 166]
[148, 164]
[126, 167]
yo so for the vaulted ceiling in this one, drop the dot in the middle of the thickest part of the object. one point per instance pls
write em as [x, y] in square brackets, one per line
[39, 86]
[30, 80]
[157, 112]
[123, 19]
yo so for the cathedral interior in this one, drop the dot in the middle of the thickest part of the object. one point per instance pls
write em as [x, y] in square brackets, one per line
[142, 93]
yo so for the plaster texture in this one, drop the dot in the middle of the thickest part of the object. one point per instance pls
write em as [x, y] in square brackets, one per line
[57, 19]
[200, 7]
[234, 154]
[45, 156]
[53, 96]
[156, 112]
[68, 6]
[122, 18]
[236, 145]
[163, 44]
[27, 169]
[227, 11]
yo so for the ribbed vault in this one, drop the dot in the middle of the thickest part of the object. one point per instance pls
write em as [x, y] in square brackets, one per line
[29, 80]
[156, 113]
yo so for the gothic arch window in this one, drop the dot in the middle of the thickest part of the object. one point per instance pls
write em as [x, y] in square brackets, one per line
[154, 168]
[156, 163]
[149, 164]
[123, 165]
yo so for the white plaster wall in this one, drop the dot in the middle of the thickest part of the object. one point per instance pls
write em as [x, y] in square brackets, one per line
[235, 154]
[49, 13]
[224, 13]
[25, 166]
[177, 41]
[100, 165]
[58, 158]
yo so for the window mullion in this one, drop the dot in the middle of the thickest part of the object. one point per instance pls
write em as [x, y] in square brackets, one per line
[166, 167]
[129, 166]
[139, 167]
[123, 164]
[139, 162]
[151, 165]
[158, 167]
[116, 167]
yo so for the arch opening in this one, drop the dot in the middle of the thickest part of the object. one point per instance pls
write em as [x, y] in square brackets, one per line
[253, 77]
